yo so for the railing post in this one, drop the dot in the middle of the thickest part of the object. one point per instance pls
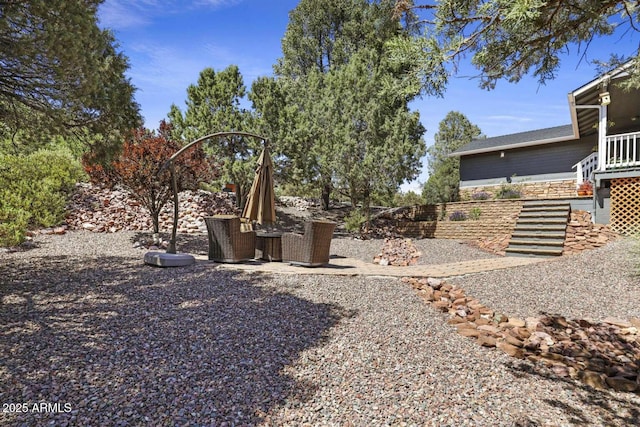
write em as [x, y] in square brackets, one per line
[602, 139]
[579, 173]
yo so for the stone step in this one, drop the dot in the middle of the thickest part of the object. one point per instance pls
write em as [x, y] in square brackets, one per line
[540, 229]
[534, 203]
[562, 214]
[538, 206]
[542, 221]
[536, 233]
[533, 252]
[537, 242]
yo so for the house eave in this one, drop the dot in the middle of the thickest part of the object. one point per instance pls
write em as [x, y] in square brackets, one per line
[512, 146]
[616, 73]
[587, 99]
[574, 114]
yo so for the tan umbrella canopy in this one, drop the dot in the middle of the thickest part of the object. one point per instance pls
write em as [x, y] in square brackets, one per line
[261, 205]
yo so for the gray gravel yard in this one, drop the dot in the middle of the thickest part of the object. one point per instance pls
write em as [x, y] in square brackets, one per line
[84, 322]
[594, 284]
[433, 251]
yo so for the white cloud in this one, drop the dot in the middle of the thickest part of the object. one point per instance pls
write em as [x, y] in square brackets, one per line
[216, 3]
[123, 14]
[162, 73]
[162, 67]
[120, 15]
[220, 53]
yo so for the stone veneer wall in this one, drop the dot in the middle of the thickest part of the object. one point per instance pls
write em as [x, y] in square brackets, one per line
[583, 234]
[497, 217]
[529, 190]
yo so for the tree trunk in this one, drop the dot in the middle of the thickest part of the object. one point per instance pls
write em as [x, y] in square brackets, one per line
[366, 208]
[326, 194]
[155, 219]
[239, 196]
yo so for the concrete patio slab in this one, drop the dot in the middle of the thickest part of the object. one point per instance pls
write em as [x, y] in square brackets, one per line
[353, 267]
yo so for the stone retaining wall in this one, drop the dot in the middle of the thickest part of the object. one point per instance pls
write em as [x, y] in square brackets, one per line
[496, 217]
[529, 190]
[471, 229]
[583, 234]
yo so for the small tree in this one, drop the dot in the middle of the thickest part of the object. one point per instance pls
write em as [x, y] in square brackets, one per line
[143, 155]
[213, 105]
[454, 131]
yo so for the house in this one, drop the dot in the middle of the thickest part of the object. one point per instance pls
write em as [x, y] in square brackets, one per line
[600, 145]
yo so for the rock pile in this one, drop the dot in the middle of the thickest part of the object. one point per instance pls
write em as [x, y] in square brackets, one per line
[602, 355]
[299, 203]
[398, 252]
[303, 204]
[385, 223]
[103, 210]
[583, 234]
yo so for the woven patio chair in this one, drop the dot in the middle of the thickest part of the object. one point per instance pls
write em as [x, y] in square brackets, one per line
[310, 249]
[227, 243]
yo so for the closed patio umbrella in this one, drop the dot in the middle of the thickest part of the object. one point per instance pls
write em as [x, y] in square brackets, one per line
[261, 206]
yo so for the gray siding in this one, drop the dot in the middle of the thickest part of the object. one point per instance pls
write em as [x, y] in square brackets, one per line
[537, 160]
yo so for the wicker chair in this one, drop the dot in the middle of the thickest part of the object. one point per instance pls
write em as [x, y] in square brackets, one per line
[310, 249]
[227, 243]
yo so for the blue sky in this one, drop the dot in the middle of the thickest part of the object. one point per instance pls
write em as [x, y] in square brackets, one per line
[169, 42]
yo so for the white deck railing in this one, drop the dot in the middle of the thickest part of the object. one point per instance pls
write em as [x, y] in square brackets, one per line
[585, 168]
[622, 151]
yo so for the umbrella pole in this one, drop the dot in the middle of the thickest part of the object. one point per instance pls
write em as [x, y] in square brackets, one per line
[174, 187]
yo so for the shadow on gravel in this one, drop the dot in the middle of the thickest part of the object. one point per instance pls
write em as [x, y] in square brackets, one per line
[195, 244]
[124, 343]
[612, 410]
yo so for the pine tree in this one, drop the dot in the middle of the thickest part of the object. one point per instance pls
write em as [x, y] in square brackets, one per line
[510, 39]
[60, 73]
[213, 105]
[338, 97]
[454, 131]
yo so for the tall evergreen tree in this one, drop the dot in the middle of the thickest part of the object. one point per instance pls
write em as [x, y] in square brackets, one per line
[318, 80]
[454, 131]
[213, 105]
[60, 73]
[380, 139]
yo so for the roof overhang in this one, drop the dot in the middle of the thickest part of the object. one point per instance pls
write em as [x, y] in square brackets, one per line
[512, 146]
[584, 108]
[616, 73]
[584, 120]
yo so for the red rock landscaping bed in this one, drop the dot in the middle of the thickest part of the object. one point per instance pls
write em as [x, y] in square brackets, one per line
[600, 354]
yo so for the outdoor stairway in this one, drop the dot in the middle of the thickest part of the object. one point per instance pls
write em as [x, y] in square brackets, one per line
[540, 229]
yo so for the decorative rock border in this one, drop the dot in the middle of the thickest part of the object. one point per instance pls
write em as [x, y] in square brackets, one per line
[398, 252]
[600, 354]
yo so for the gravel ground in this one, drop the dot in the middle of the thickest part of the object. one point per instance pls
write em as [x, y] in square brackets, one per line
[433, 251]
[85, 323]
[591, 285]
